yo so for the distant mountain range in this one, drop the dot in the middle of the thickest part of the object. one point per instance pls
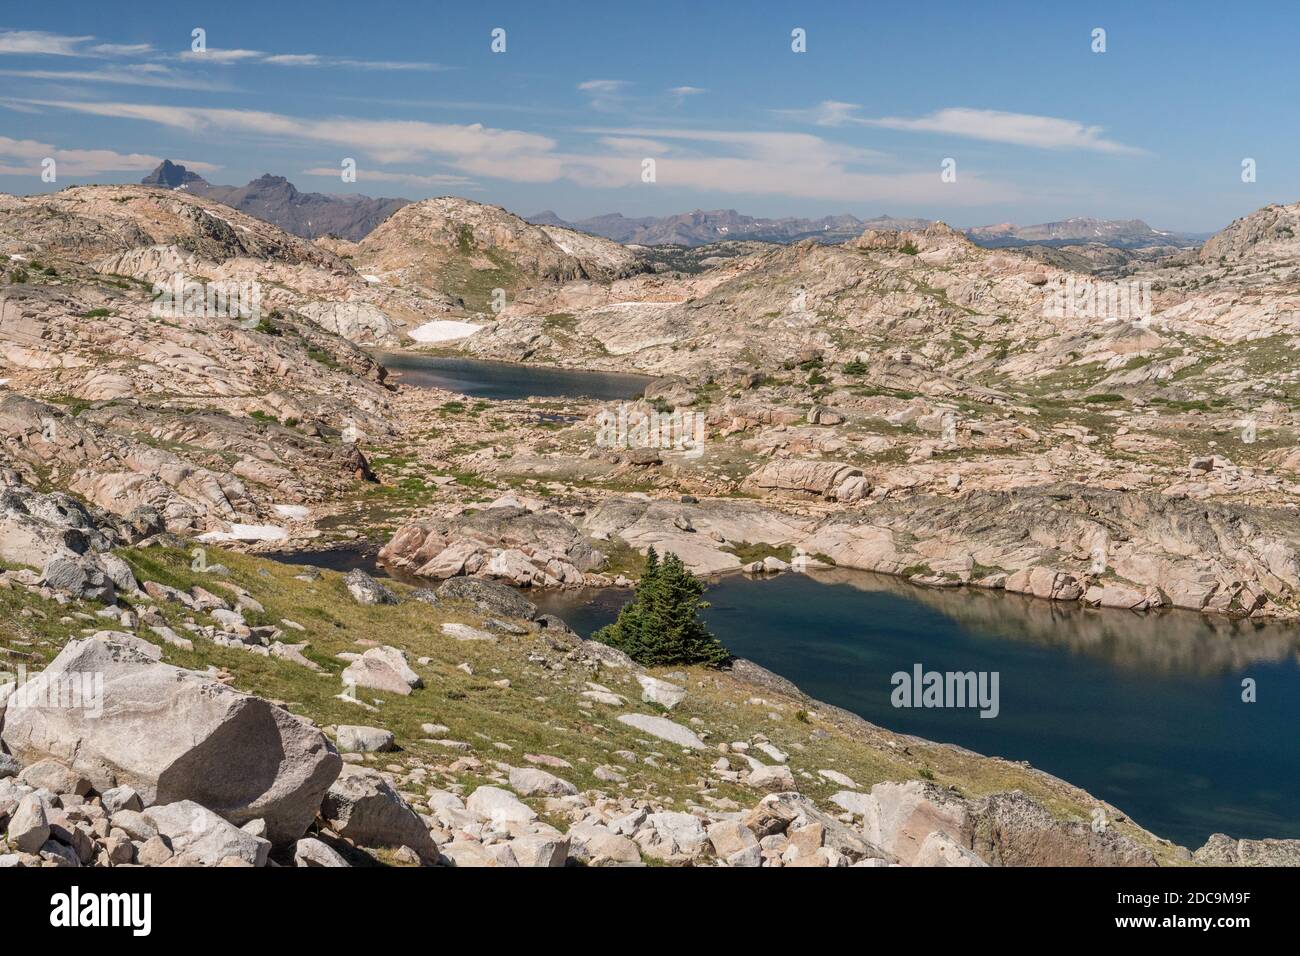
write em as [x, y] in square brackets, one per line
[701, 228]
[276, 200]
[1119, 233]
[310, 215]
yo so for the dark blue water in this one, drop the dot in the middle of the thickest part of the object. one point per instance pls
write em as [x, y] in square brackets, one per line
[1144, 711]
[508, 381]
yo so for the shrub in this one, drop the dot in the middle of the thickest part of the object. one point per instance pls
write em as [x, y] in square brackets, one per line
[660, 625]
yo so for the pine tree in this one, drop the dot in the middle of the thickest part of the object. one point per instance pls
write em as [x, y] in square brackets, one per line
[660, 625]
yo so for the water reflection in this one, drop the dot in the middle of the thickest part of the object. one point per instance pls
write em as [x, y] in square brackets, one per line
[504, 381]
[1165, 642]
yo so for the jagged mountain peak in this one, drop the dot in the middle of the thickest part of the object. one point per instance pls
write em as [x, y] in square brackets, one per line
[279, 202]
[171, 175]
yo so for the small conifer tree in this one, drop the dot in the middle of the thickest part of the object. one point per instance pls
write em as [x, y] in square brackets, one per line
[660, 626]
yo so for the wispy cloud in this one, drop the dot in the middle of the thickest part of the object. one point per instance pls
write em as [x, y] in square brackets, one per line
[39, 42]
[386, 141]
[799, 165]
[604, 94]
[687, 90]
[384, 176]
[122, 49]
[142, 74]
[222, 56]
[23, 157]
[227, 57]
[42, 42]
[996, 126]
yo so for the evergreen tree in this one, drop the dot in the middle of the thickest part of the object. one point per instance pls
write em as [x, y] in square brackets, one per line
[660, 625]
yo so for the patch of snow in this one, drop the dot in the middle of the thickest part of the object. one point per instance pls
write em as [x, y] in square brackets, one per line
[444, 330]
[246, 532]
[293, 512]
[371, 278]
[17, 258]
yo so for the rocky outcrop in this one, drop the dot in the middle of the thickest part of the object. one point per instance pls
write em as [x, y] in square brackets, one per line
[925, 825]
[808, 479]
[1222, 850]
[237, 755]
[701, 533]
[436, 246]
[69, 541]
[1071, 543]
[509, 543]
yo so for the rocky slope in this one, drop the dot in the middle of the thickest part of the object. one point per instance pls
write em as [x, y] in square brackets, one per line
[906, 364]
[764, 310]
[483, 734]
[216, 421]
[154, 237]
[450, 247]
[906, 402]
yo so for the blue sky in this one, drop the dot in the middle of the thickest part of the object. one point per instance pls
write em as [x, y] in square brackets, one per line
[1040, 127]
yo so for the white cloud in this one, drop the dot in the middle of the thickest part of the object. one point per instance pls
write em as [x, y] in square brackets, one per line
[602, 86]
[389, 141]
[366, 174]
[211, 55]
[996, 126]
[294, 59]
[799, 165]
[142, 74]
[638, 145]
[122, 49]
[41, 42]
[604, 94]
[687, 90]
[825, 113]
[226, 57]
[28, 154]
[1022, 129]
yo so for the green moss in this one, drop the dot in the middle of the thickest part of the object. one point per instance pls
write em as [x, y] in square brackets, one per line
[748, 553]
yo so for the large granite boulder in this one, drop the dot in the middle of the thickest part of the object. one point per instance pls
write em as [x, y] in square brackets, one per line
[172, 735]
[363, 807]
